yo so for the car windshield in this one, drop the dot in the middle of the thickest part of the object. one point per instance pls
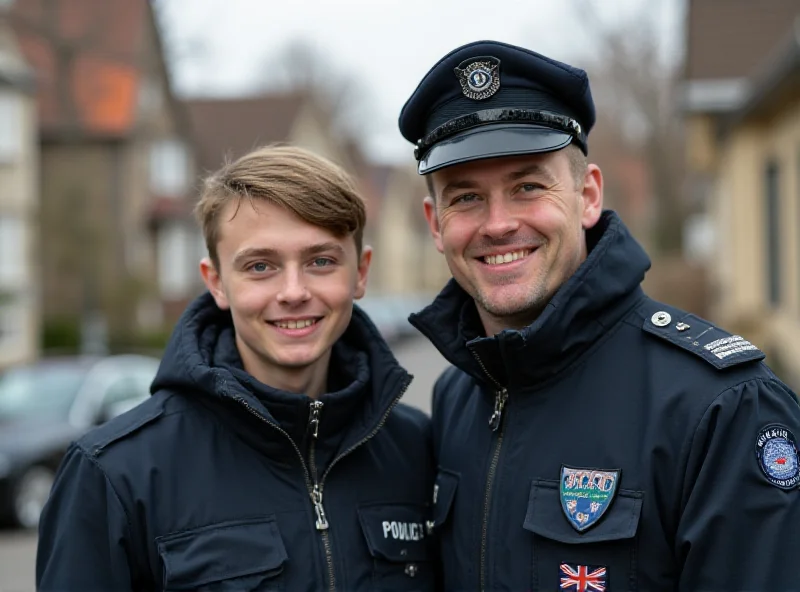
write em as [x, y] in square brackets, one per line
[39, 391]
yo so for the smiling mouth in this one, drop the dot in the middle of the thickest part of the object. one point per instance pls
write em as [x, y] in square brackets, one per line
[505, 257]
[295, 324]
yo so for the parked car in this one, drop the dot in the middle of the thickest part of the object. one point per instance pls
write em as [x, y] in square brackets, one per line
[48, 404]
[390, 313]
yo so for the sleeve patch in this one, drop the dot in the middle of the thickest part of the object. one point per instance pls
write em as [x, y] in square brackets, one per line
[717, 347]
[776, 451]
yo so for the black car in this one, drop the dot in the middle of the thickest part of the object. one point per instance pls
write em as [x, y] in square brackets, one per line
[45, 406]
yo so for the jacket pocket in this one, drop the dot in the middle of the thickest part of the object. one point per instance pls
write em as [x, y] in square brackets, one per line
[605, 552]
[398, 541]
[242, 556]
[444, 492]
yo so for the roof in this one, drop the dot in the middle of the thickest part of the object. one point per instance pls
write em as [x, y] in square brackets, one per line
[86, 56]
[776, 82]
[229, 128]
[731, 38]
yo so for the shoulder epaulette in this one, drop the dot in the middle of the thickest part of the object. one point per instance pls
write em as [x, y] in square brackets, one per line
[705, 340]
[96, 440]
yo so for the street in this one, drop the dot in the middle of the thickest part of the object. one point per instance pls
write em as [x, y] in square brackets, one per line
[18, 549]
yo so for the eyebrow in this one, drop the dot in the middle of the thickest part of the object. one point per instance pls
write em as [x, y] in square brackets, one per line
[532, 169]
[267, 253]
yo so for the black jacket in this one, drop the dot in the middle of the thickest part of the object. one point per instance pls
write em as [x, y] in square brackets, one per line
[211, 483]
[630, 445]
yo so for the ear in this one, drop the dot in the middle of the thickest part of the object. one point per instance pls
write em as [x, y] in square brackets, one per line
[213, 282]
[592, 196]
[429, 204]
[363, 271]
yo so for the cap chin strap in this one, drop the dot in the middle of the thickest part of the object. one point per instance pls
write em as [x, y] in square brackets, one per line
[555, 121]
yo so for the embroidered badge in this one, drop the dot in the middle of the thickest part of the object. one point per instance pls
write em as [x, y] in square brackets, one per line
[586, 494]
[729, 346]
[479, 77]
[583, 578]
[776, 450]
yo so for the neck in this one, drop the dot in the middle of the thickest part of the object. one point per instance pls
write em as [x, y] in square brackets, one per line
[311, 380]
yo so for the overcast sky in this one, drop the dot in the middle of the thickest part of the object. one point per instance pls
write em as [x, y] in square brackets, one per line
[224, 47]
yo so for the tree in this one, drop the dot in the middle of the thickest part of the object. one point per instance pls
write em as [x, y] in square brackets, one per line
[635, 81]
[302, 67]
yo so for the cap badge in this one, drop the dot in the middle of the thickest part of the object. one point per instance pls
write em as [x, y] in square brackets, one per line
[479, 77]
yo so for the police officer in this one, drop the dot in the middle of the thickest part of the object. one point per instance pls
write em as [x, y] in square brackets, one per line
[587, 437]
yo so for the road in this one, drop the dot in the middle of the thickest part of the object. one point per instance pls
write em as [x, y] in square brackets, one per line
[18, 549]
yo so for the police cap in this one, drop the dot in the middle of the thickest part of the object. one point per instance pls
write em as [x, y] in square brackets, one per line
[489, 99]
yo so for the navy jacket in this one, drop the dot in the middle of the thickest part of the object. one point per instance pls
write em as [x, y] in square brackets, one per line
[218, 482]
[615, 442]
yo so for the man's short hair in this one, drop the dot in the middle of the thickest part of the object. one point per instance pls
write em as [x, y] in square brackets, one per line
[577, 166]
[312, 187]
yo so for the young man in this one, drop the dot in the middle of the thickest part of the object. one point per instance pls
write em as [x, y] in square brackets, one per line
[273, 454]
[587, 437]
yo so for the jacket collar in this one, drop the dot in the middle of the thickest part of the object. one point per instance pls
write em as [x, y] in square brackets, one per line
[366, 379]
[603, 288]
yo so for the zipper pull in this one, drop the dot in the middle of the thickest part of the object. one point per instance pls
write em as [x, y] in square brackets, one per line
[313, 418]
[499, 403]
[316, 498]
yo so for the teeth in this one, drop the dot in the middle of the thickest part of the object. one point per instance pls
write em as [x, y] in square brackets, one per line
[506, 258]
[295, 324]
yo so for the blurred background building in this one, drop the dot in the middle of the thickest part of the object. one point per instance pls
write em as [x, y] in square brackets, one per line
[19, 206]
[741, 101]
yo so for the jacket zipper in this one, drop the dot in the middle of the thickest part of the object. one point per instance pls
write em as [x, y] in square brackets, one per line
[315, 488]
[496, 424]
[316, 494]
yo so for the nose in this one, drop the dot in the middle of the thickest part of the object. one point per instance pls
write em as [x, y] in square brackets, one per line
[294, 290]
[499, 221]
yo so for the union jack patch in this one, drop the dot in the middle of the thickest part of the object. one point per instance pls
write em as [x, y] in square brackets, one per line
[583, 578]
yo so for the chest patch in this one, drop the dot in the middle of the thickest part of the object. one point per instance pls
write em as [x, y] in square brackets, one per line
[583, 578]
[586, 494]
[396, 531]
[776, 451]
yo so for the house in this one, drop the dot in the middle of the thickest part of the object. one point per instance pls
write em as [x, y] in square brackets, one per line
[117, 244]
[227, 128]
[742, 108]
[405, 260]
[19, 202]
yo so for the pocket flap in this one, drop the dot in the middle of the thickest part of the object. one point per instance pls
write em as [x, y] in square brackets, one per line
[444, 491]
[395, 531]
[221, 552]
[546, 518]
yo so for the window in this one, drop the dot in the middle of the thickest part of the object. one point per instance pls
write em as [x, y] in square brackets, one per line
[10, 127]
[176, 265]
[122, 394]
[122, 389]
[773, 238]
[12, 320]
[169, 168]
[12, 252]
